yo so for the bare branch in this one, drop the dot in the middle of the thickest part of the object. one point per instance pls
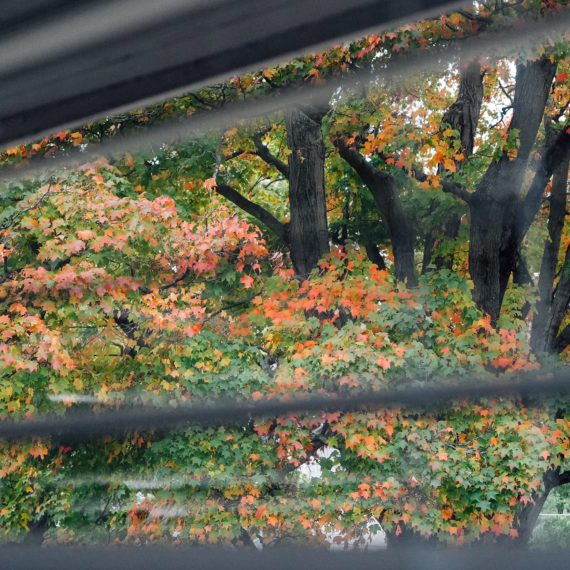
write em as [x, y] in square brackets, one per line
[255, 210]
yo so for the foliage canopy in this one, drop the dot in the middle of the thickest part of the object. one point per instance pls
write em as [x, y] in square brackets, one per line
[401, 235]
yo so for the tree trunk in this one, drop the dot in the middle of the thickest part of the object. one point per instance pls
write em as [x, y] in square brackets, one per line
[555, 341]
[384, 190]
[450, 232]
[496, 204]
[463, 116]
[308, 229]
[556, 217]
[307, 232]
[526, 519]
[374, 255]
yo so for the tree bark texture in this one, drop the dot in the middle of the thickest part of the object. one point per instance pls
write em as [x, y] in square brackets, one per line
[544, 323]
[496, 205]
[308, 229]
[307, 232]
[384, 190]
[462, 116]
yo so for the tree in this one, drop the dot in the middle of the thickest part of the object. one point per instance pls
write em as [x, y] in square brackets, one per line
[283, 257]
[307, 232]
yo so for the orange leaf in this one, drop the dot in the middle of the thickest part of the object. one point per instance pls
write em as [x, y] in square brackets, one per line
[446, 514]
[247, 281]
[383, 362]
[260, 511]
[39, 450]
[210, 184]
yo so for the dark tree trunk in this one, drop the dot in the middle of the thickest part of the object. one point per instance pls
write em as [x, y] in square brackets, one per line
[496, 205]
[463, 116]
[556, 217]
[307, 232]
[374, 255]
[555, 341]
[525, 520]
[308, 229]
[384, 190]
[521, 274]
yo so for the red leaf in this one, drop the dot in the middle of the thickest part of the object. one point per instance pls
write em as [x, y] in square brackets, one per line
[247, 281]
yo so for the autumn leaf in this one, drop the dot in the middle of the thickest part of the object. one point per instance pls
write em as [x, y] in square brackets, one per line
[260, 512]
[446, 513]
[210, 184]
[247, 281]
[39, 450]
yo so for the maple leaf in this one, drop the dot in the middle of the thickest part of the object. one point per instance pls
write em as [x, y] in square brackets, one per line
[446, 513]
[272, 520]
[75, 246]
[247, 281]
[210, 184]
[449, 165]
[260, 512]
[383, 362]
[39, 450]
[85, 235]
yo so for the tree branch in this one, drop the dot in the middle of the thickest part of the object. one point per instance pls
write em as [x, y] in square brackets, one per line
[255, 210]
[385, 191]
[457, 190]
[175, 281]
[552, 154]
[234, 154]
[370, 176]
[264, 153]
